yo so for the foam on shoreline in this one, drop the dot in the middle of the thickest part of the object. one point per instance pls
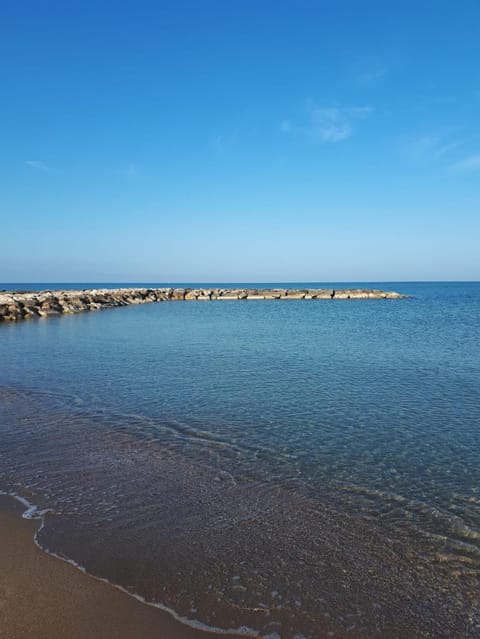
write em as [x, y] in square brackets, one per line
[33, 512]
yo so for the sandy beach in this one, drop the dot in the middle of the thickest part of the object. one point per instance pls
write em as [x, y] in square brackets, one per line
[46, 598]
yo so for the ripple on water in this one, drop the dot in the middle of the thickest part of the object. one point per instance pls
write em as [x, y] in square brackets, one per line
[235, 548]
[296, 468]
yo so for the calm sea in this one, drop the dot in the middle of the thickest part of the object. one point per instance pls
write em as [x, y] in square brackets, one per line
[299, 468]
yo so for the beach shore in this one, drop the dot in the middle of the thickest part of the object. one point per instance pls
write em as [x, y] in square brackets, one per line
[46, 598]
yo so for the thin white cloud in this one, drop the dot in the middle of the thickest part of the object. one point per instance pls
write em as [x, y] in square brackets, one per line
[442, 149]
[217, 145]
[372, 74]
[430, 146]
[129, 172]
[327, 124]
[39, 166]
[470, 163]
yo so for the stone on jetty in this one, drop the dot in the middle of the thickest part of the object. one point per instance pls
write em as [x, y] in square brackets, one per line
[19, 305]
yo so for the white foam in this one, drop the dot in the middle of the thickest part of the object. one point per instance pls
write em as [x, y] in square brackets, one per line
[33, 512]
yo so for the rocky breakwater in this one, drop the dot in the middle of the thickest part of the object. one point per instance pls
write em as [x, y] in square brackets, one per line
[19, 305]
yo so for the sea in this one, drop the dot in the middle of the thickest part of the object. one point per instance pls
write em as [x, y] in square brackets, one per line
[286, 469]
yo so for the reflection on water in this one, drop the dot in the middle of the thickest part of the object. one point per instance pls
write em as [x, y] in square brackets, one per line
[298, 468]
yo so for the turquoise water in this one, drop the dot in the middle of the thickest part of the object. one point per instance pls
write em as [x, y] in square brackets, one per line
[323, 451]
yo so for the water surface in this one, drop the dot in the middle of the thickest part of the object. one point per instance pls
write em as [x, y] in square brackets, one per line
[297, 467]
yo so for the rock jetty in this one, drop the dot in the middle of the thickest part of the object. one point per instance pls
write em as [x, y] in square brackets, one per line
[19, 305]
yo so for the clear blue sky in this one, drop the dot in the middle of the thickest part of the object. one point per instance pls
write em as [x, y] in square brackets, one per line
[239, 140]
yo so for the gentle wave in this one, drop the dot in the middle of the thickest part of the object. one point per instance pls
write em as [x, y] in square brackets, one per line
[33, 512]
[309, 469]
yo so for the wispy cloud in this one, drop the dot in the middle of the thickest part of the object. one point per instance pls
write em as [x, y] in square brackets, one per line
[217, 145]
[430, 147]
[444, 150]
[327, 124]
[39, 166]
[372, 74]
[470, 163]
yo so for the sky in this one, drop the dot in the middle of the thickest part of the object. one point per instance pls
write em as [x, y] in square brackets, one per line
[239, 141]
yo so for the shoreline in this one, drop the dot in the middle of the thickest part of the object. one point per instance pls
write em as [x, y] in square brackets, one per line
[20, 305]
[400, 547]
[48, 597]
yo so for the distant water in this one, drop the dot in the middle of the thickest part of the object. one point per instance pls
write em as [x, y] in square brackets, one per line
[56, 286]
[297, 467]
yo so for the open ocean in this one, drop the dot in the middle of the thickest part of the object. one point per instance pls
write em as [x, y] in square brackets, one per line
[302, 469]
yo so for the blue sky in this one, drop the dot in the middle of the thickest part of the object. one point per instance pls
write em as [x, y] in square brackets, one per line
[239, 140]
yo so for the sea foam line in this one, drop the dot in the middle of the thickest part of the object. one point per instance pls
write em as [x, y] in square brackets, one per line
[33, 512]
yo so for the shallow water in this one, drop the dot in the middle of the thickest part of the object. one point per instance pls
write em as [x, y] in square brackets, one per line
[300, 467]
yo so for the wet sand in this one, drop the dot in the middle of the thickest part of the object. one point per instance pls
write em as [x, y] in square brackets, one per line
[46, 598]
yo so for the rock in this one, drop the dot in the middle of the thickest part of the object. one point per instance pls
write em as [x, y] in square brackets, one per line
[15, 306]
[179, 294]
